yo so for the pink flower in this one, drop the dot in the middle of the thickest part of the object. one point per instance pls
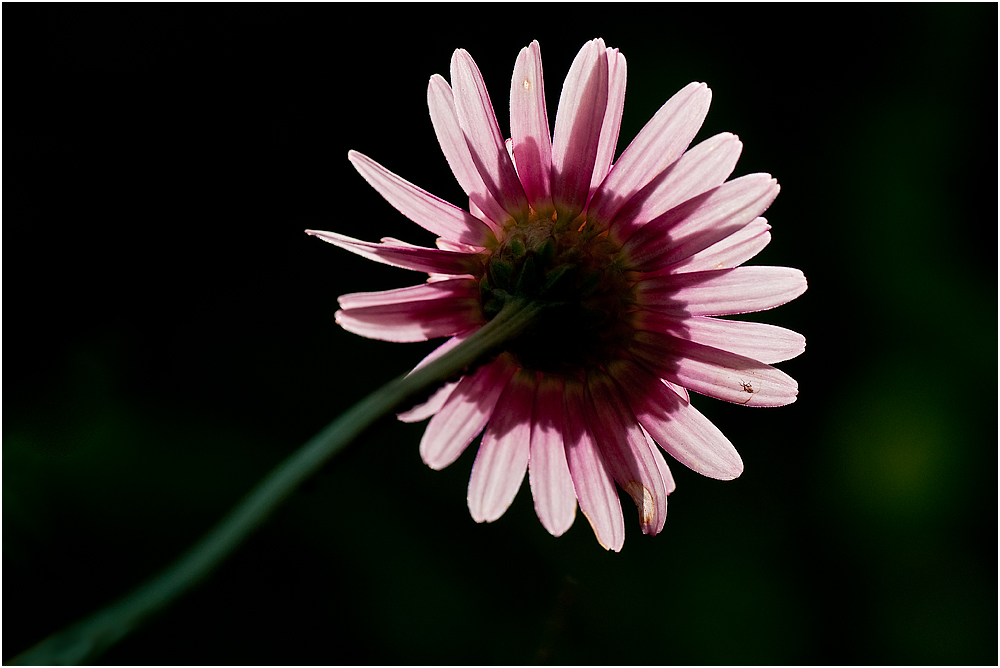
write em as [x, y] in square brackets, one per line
[634, 259]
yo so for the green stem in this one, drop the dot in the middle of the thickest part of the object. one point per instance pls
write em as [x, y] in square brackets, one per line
[86, 639]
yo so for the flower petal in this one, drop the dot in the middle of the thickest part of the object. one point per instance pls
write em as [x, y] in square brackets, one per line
[475, 115]
[529, 129]
[704, 167]
[765, 343]
[728, 253]
[582, 106]
[442, 289]
[595, 487]
[548, 472]
[681, 391]
[421, 412]
[426, 210]
[612, 118]
[437, 400]
[417, 313]
[466, 412]
[722, 292]
[626, 451]
[687, 435]
[661, 466]
[441, 103]
[663, 139]
[503, 455]
[699, 222]
[407, 322]
[713, 372]
[417, 258]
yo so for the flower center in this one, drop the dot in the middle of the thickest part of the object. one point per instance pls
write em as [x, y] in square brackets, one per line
[577, 277]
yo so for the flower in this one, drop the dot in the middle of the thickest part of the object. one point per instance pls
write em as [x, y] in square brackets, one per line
[632, 261]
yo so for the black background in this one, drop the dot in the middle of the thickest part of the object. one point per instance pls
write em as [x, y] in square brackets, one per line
[170, 338]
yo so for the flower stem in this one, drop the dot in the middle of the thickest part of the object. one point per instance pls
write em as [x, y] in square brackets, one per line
[86, 639]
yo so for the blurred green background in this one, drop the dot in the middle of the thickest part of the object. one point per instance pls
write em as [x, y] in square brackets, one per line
[170, 338]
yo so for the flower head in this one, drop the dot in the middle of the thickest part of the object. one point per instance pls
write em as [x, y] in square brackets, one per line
[631, 260]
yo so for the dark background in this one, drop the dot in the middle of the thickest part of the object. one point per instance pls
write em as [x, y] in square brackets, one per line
[170, 338]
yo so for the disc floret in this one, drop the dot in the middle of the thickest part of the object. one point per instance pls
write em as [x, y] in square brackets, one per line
[576, 276]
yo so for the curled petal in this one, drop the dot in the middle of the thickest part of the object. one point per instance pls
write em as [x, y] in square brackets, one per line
[765, 343]
[687, 435]
[626, 451]
[548, 472]
[466, 412]
[426, 210]
[722, 292]
[529, 129]
[713, 372]
[699, 170]
[660, 142]
[503, 455]
[582, 106]
[681, 391]
[475, 115]
[406, 256]
[594, 485]
[441, 103]
[699, 222]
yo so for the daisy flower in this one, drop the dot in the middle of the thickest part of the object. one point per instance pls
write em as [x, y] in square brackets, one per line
[629, 264]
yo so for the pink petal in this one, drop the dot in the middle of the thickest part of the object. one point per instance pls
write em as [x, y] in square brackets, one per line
[713, 372]
[438, 399]
[417, 313]
[529, 129]
[663, 139]
[441, 103]
[687, 435]
[764, 343]
[722, 292]
[548, 472]
[417, 258]
[475, 115]
[413, 321]
[595, 488]
[503, 455]
[442, 289]
[681, 391]
[699, 222]
[729, 253]
[626, 452]
[466, 412]
[582, 107]
[421, 412]
[699, 170]
[455, 247]
[661, 466]
[426, 210]
[612, 118]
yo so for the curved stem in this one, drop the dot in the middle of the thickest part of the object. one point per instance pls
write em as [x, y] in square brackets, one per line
[86, 639]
